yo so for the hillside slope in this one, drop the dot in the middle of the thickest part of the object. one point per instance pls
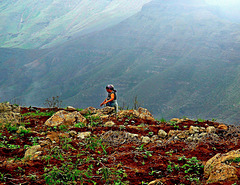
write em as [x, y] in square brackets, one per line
[40, 24]
[94, 146]
[181, 58]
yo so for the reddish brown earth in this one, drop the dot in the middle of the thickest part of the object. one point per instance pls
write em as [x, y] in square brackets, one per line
[129, 162]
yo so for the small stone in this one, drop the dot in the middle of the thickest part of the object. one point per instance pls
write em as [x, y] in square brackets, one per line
[132, 135]
[182, 135]
[202, 129]
[109, 124]
[222, 127]
[190, 139]
[146, 139]
[194, 130]
[72, 133]
[173, 133]
[44, 143]
[154, 138]
[211, 129]
[202, 134]
[175, 120]
[155, 182]
[104, 117]
[158, 141]
[162, 133]
[83, 135]
[70, 108]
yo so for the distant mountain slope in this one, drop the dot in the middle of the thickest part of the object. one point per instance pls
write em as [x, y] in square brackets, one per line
[37, 24]
[181, 58]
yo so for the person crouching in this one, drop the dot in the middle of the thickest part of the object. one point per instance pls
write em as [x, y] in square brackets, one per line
[111, 99]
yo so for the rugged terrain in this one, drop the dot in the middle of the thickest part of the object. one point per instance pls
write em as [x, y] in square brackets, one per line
[180, 58]
[96, 146]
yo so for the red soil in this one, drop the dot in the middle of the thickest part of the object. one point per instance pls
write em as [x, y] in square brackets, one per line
[134, 162]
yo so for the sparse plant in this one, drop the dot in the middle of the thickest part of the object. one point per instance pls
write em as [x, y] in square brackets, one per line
[150, 133]
[22, 132]
[79, 125]
[201, 120]
[162, 120]
[11, 128]
[38, 113]
[147, 154]
[136, 104]
[169, 168]
[62, 175]
[213, 119]
[4, 177]
[53, 101]
[32, 177]
[63, 128]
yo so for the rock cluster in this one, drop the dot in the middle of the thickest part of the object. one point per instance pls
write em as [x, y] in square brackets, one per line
[105, 112]
[216, 169]
[9, 113]
[119, 137]
[194, 133]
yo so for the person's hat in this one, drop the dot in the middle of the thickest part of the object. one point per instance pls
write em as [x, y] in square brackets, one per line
[110, 87]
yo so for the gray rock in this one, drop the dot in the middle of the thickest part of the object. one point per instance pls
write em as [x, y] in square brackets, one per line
[194, 130]
[211, 129]
[32, 153]
[72, 133]
[145, 139]
[154, 138]
[83, 135]
[162, 133]
[109, 124]
[189, 139]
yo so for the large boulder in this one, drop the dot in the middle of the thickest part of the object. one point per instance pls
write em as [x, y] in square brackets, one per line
[128, 114]
[219, 169]
[145, 114]
[89, 110]
[32, 153]
[106, 110]
[141, 113]
[9, 113]
[63, 117]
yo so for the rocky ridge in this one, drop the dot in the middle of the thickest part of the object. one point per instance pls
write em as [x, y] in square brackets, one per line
[98, 146]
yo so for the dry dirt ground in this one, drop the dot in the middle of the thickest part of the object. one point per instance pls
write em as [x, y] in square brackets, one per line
[109, 155]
